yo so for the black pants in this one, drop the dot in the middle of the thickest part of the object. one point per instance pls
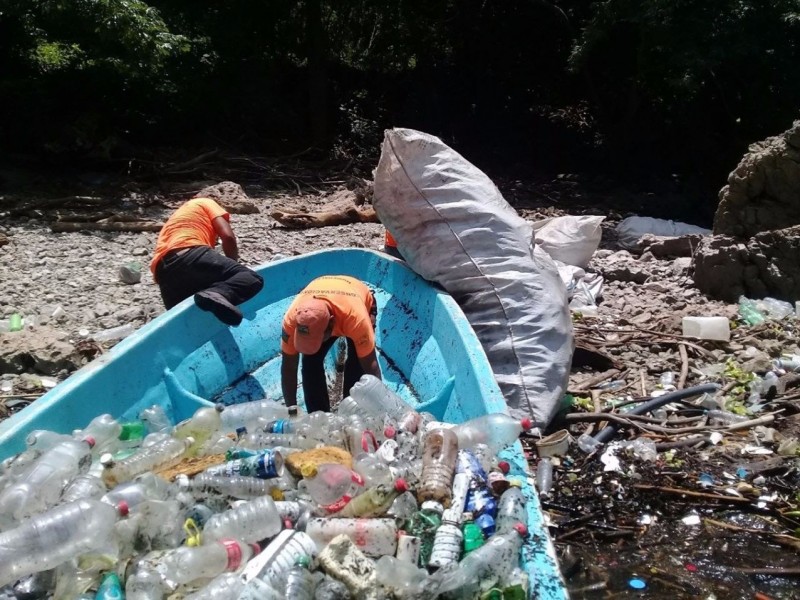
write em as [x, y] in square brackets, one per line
[202, 268]
[315, 384]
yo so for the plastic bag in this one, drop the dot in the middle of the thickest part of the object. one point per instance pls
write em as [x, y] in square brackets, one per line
[570, 239]
[630, 230]
[456, 229]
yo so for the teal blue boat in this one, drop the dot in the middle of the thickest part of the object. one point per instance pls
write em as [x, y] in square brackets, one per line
[185, 358]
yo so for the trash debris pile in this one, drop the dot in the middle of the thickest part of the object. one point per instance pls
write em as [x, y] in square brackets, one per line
[687, 487]
[257, 500]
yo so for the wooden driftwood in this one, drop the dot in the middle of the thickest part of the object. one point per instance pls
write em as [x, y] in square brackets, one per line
[63, 226]
[343, 209]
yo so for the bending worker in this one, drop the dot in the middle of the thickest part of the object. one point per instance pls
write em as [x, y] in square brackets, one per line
[328, 308]
[185, 262]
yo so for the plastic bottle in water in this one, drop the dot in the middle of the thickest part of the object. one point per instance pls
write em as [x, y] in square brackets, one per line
[227, 586]
[300, 583]
[438, 465]
[48, 539]
[492, 562]
[446, 545]
[156, 419]
[497, 431]
[374, 502]
[40, 486]
[161, 455]
[244, 413]
[331, 486]
[266, 464]
[511, 509]
[84, 487]
[373, 395]
[374, 537]
[200, 427]
[188, 564]
[278, 557]
[251, 521]
[239, 486]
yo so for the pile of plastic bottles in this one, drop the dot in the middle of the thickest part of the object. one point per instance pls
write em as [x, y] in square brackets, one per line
[374, 501]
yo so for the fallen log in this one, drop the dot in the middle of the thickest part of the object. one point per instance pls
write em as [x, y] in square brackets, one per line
[65, 226]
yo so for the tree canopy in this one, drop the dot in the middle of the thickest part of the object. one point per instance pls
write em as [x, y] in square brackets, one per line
[686, 82]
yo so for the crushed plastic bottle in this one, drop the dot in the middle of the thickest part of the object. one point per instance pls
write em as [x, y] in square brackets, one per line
[300, 583]
[497, 431]
[50, 538]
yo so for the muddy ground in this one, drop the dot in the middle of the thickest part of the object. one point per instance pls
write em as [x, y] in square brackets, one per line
[614, 530]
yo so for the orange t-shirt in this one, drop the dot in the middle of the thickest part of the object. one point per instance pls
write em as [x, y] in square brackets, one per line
[350, 303]
[190, 225]
[389, 240]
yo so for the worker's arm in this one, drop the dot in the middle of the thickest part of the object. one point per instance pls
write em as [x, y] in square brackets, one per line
[370, 364]
[289, 364]
[227, 237]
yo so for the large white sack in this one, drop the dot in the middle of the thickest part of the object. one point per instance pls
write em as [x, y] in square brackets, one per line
[454, 227]
[571, 239]
[630, 230]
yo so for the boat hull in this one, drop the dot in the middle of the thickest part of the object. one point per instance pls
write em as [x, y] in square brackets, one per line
[428, 352]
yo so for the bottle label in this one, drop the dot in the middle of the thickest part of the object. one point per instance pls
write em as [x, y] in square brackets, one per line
[234, 552]
[262, 466]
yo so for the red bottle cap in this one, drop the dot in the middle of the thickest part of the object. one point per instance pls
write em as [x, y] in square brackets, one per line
[401, 486]
[389, 432]
[504, 467]
[122, 508]
[521, 529]
[526, 424]
[90, 440]
[287, 524]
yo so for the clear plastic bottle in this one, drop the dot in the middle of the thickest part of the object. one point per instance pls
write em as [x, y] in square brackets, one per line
[40, 486]
[493, 562]
[200, 427]
[544, 476]
[84, 487]
[160, 455]
[723, 417]
[438, 465]
[511, 509]
[294, 511]
[374, 502]
[331, 486]
[372, 469]
[105, 431]
[267, 464]
[187, 564]
[144, 584]
[227, 586]
[374, 537]
[446, 545]
[156, 419]
[373, 395]
[497, 431]
[43, 439]
[134, 493]
[257, 440]
[53, 537]
[279, 556]
[300, 583]
[250, 522]
[241, 415]
[238, 486]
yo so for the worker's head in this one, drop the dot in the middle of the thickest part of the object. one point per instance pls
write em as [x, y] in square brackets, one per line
[313, 325]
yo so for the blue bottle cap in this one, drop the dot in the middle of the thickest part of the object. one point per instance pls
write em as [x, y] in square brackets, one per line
[637, 584]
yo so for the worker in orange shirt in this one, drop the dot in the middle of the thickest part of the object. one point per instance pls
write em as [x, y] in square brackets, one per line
[185, 262]
[390, 246]
[329, 307]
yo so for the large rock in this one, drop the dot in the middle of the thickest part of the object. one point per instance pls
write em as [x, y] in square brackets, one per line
[768, 264]
[41, 350]
[763, 192]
